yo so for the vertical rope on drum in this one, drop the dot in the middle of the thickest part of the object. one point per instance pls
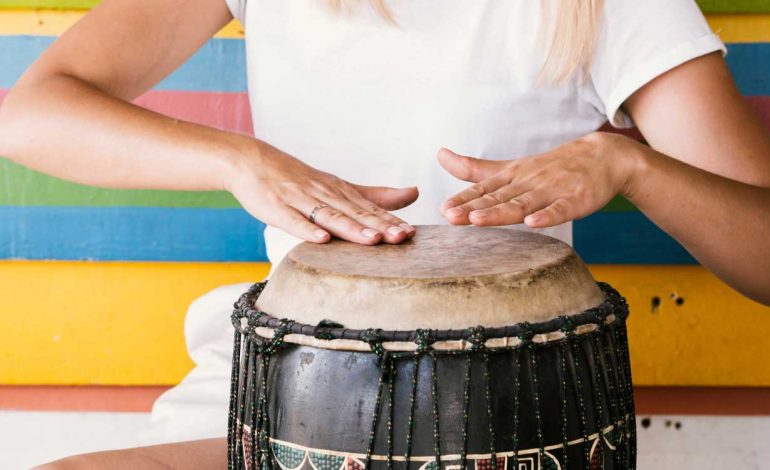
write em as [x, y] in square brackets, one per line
[373, 337]
[623, 402]
[490, 415]
[375, 415]
[391, 380]
[466, 405]
[612, 395]
[516, 389]
[266, 415]
[434, 399]
[239, 449]
[629, 395]
[536, 397]
[563, 399]
[231, 418]
[577, 386]
[255, 443]
[412, 401]
[597, 396]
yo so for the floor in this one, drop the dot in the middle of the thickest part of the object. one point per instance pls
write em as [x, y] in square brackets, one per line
[665, 441]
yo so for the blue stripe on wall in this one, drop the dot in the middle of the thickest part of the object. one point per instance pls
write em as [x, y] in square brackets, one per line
[625, 238]
[220, 65]
[130, 233]
[750, 66]
[184, 234]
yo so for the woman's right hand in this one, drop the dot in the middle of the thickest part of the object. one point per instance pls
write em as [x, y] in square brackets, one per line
[282, 191]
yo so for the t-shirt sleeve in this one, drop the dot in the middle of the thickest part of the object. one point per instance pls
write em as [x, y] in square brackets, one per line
[237, 8]
[639, 40]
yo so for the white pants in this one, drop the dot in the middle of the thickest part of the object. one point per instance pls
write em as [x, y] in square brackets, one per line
[197, 408]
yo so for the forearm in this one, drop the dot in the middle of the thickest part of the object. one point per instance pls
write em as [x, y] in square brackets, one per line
[65, 127]
[723, 223]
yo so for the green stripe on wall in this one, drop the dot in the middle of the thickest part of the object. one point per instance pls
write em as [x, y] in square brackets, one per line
[708, 6]
[22, 187]
[735, 6]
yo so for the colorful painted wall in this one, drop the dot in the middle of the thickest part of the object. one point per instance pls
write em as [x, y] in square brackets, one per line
[94, 283]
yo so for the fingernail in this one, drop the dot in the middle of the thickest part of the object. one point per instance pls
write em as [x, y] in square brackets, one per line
[456, 212]
[369, 232]
[395, 231]
[532, 219]
[407, 227]
[319, 233]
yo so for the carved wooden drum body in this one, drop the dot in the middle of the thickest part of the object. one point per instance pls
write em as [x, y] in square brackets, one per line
[487, 349]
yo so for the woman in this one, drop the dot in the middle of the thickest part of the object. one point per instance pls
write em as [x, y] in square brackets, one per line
[366, 96]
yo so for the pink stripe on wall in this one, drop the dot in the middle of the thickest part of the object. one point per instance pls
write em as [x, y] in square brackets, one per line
[226, 111]
[231, 111]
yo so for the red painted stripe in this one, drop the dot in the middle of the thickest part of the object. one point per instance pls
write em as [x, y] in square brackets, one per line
[226, 111]
[733, 401]
[78, 398]
[760, 105]
[741, 401]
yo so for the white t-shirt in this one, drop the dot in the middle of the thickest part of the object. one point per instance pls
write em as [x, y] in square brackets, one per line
[372, 102]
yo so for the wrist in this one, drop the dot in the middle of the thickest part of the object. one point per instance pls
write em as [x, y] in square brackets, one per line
[243, 154]
[638, 158]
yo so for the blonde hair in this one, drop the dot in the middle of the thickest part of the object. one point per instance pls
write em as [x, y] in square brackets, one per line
[573, 28]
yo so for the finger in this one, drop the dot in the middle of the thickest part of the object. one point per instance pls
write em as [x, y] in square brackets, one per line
[511, 212]
[371, 207]
[490, 199]
[296, 224]
[372, 216]
[335, 222]
[389, 198]
[456, 215]
[468, 168]
[556, 213]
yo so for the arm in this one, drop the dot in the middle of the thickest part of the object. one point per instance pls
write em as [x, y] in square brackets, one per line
[706, 184]
[713, 195]
[69, 115]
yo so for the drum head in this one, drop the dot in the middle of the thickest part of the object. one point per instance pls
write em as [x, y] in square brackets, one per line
[446, 277]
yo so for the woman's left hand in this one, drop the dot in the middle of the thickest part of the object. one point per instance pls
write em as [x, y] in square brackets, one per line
[567, 183]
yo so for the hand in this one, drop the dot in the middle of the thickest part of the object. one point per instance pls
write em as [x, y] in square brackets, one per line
[567, 183]
[282, 191]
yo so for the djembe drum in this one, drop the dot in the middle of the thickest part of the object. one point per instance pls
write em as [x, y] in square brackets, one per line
[490, 349]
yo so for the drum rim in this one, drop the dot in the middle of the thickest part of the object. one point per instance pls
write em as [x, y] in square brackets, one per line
[244, 309]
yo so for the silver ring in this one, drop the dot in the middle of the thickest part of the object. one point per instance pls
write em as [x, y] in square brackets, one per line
[314, 212]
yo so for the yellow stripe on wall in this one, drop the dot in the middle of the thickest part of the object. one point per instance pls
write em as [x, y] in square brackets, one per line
[702, 332]
[122, 323]
[741, 28]
[55, 22]
[730, 27]
[103, 323]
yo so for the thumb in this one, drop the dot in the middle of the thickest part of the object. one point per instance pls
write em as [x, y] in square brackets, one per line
[468, 168]
[389, 198]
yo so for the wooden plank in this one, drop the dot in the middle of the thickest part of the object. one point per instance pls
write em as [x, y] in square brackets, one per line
[709, 6]
[201, 234]
[682, 401]
[121, 323]
[701, 333]
[42, 22]
[103, 323]
[130, 234]
[219, 65]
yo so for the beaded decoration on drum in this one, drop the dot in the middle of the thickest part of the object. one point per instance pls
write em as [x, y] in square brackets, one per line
[551, 395]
